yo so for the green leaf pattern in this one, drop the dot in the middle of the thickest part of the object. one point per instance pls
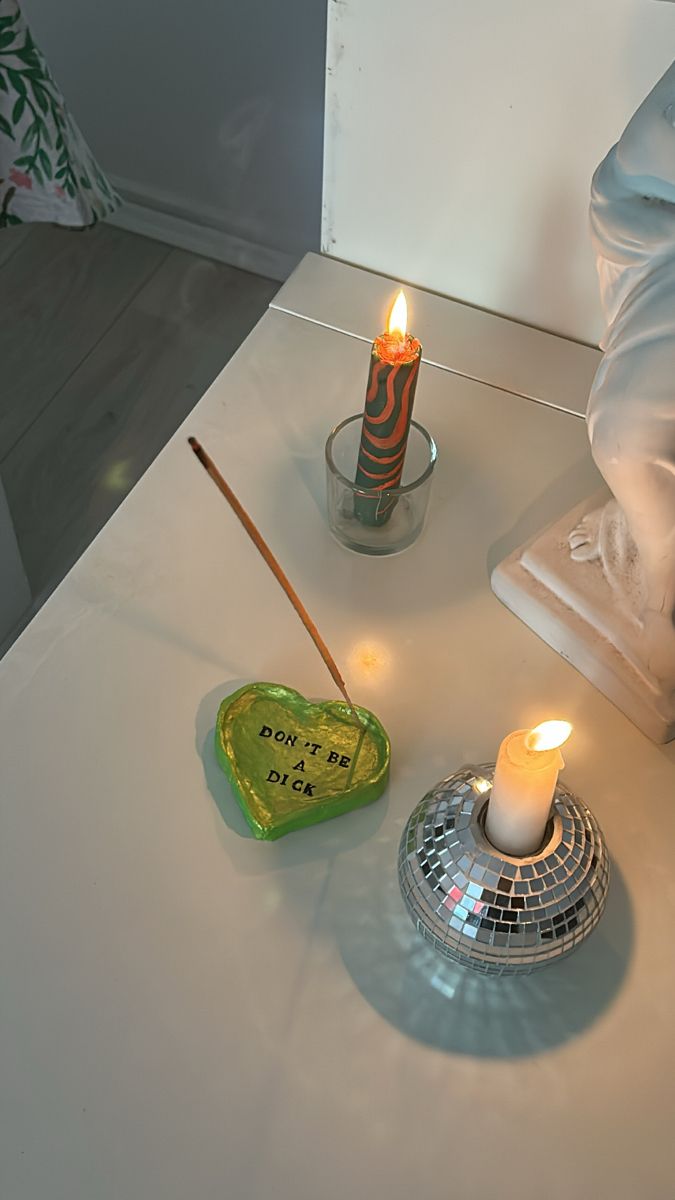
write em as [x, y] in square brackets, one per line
[47, 171]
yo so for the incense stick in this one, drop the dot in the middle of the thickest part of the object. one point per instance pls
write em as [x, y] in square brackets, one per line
[261, 545]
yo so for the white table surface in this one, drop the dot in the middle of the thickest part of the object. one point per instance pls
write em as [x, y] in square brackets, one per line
[186, 1012]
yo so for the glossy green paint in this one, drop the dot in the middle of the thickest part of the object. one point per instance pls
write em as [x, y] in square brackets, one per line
[292, 763]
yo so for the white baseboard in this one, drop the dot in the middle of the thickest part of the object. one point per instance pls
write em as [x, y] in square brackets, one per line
[144, 211]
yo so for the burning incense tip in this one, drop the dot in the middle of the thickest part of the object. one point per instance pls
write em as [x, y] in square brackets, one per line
[198, 451]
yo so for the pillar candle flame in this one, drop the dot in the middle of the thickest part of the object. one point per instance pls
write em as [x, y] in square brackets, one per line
[548, 736]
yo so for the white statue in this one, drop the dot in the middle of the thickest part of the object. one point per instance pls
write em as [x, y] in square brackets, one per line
[618, 595]
[631, 412]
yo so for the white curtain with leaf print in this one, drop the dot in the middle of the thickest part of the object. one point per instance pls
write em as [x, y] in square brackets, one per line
[47, 172]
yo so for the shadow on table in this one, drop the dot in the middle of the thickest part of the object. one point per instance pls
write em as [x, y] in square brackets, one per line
[399, 975]
[323, 841]
[454, 1009]
[576, 483]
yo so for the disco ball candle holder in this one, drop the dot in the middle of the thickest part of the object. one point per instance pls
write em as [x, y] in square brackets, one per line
[491, 911]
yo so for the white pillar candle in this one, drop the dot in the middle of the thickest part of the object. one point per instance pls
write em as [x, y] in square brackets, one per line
[524, 784]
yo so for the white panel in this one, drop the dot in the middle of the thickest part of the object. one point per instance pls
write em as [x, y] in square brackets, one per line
[461, 136]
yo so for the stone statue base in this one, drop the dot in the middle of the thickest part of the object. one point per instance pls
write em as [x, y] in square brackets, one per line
[572, 604]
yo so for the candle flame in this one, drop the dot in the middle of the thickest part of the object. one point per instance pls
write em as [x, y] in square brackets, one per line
[398, 317]
[548, 736]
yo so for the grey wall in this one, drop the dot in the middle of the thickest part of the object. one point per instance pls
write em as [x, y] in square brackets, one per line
[209, 109]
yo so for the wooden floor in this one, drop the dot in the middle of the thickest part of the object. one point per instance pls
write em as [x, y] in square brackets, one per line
[107, 341]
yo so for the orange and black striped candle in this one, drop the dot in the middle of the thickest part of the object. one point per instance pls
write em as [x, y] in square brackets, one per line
[394, 367]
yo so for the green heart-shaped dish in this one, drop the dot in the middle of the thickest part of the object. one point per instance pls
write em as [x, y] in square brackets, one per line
[292, 763]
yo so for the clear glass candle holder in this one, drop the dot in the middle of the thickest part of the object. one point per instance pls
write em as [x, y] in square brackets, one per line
[407, 503]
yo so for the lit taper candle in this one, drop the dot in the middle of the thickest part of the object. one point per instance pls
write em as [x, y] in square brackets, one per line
[524, 785]
[394, 368]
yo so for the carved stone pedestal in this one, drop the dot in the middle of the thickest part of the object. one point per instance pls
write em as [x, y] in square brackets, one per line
[574, 606]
